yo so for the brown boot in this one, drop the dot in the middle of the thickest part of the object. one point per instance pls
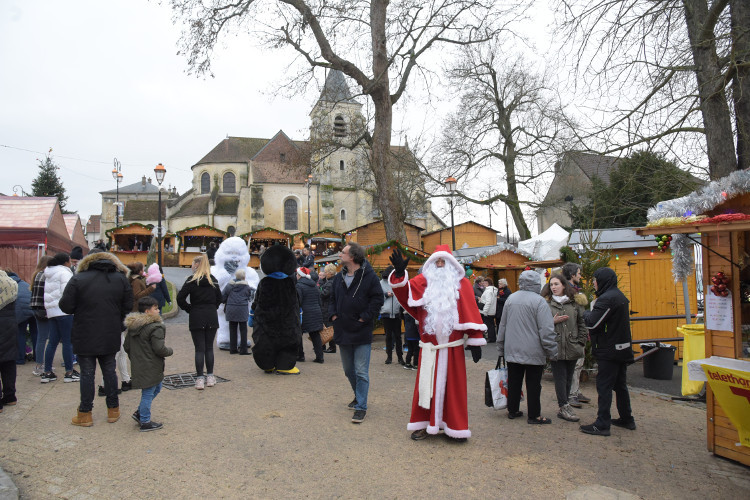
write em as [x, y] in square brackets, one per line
[83, 418]
[113, 415]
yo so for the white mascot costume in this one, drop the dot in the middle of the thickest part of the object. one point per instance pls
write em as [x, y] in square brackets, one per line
[231, 255]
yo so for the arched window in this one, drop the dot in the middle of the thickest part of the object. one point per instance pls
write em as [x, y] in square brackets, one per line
[339, 126]
[290, 214]
[228, 182]
[341, 165]
[205, 183]
[343, 214]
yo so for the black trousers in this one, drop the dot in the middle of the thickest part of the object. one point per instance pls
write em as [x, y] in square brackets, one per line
[88, 371]
[412, 357]
[8, 381]
[392, 327]
[612, 376]
[203, 340]
[316, 342]
[533, 375]
[233, 325]
[489, 322]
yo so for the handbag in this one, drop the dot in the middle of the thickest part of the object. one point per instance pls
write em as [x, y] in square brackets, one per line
[496, 386]
[326, 335]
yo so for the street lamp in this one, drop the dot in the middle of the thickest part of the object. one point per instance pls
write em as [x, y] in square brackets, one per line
[159, 170]
[450, 185]
[117, 176]
[309, 183]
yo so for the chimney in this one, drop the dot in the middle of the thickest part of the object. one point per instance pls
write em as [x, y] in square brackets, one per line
[143, 181]
[149, 180]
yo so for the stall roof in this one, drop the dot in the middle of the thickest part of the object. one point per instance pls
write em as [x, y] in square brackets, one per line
[611, 239]
[75, 230]
[472, 254]
[546, 246]
[27, 221]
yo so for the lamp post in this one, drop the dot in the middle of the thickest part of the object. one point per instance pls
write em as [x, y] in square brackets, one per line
[309, 183]
[450, 185]
[117, 176]
[159, 170]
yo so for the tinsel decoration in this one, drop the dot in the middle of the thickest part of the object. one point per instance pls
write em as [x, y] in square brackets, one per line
[495, 249]
[698, 202]
[407, 251]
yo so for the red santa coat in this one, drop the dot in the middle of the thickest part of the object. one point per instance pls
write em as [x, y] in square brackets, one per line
[448, 406]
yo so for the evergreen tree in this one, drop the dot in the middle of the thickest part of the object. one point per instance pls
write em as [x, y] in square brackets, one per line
[47, 183]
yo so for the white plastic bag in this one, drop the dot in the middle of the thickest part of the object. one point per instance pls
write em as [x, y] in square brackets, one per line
[496, 387]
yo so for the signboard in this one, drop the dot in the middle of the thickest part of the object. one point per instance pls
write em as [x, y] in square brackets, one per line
[719, 313]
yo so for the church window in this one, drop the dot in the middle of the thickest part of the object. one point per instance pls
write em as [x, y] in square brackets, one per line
[343, 214]
[339, 126]
[205, 183]
[341, 164]
[228, 182]
[290, 214]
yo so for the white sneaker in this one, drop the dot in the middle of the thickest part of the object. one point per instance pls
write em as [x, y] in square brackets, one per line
[200, 383]
[38, 370]
[210, 380]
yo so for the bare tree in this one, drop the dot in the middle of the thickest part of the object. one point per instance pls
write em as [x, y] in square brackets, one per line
[510, 125]
[673, 72]
[380, 44]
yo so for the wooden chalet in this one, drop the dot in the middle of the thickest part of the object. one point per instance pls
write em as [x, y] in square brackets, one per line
[374, 234]
[130, 242]
[468, 234]
[194, 241]
[495, 261]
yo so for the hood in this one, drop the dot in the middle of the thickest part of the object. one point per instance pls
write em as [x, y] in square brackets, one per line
[581, 299]
[606, 279]
[306, 282]
[136, 321]
[530, 281]
[447, 256]
[102, 261]
[51, 272]
[153, 275]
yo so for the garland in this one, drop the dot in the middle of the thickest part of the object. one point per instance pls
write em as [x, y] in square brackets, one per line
[698, 202]
[267, 228]
[206, 226]
[406, 250]
[501, 247]
[113, 229]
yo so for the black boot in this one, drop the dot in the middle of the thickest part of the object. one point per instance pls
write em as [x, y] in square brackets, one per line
[401, 360]
[389, 359]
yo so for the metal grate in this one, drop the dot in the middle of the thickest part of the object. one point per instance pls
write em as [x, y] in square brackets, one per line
[182, 380]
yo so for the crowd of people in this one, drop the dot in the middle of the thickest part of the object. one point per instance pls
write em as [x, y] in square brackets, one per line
[105, 313]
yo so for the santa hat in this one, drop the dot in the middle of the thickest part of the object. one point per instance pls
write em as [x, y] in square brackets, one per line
[303, 272]
[153, 275]
[444, 252]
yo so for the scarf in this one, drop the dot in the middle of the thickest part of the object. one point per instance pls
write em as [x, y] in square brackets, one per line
[561, 299]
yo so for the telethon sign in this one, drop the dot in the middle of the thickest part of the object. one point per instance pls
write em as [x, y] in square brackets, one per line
[732, 390]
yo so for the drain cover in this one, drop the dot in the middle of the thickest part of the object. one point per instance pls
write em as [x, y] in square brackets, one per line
[182, 380]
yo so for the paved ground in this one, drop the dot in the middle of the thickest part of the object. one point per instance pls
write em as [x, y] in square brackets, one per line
[271, 436]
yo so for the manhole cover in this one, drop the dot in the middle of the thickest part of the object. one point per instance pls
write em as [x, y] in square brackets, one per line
[182, 380]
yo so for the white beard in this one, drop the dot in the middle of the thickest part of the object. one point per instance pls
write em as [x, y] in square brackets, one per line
[441, 300]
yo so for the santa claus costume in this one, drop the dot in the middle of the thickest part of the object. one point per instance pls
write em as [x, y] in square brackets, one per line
[441, 299]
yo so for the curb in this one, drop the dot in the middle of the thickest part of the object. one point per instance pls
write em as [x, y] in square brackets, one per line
[8, 489]
[175, 310]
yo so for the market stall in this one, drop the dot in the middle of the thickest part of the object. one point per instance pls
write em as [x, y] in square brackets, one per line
[130, 242]
[468, 233]
[379, 255]
[326, 243]
[720, 213]
[193, 241]
[495, 261]
[264, 238]
[374, 233]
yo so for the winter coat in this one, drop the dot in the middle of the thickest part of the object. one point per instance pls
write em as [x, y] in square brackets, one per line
[411, 329]
[37, 296]
[23, 307]
[489, 299]
[608, 321]
[502, 296]
[8, 325]
[571, 335]
[478, 291]
[356, 306]
[308, 261]
[161, 294]
[140, 289]
[310, 302]
[237, 296]
[326, 288]
[99, 297]
[205, 297]
[55, 280]
[145, 346]
[391, 308]
[526, 334]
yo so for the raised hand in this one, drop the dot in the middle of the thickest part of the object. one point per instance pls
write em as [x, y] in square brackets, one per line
[399, 263]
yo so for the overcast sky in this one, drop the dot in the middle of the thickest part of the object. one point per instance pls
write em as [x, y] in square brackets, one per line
[95, 80]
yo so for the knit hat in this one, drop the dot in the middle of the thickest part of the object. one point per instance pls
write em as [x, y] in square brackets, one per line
[303, 272]
[76, 253]
[153, 275]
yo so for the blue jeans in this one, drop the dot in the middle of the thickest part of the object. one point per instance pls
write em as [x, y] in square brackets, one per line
[29, 323]
[60, 328]
[42, 336]
[147, 396]
[356, 362]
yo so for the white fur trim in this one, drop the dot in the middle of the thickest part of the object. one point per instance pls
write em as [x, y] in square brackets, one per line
[448, 258]
[471, 326]
[417, 426]
[456, 434]
[415, 303]
[400, 283]
[301, 273]
[434, 429]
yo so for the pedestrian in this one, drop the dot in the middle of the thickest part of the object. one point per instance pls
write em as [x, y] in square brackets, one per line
[8, 340]
[76, 254]
[36, 302]
[411, 336]
[567, 310]
[145, 346]
[308, 259]
[211, 252]
[155, 277]
[140, 290]
[24, 318]
[237, 297]
[526, 337]
[98, 297]
[608, 322]
[441, 299]
[356, 299]
[312, 313]
[488, 301]
[326, 286]
[204, 293]
[56, 277]
[572, 272]
[478, 288]
[390, 316]
[503, 292]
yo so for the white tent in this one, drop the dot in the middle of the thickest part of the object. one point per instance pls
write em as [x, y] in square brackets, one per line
[546, 246]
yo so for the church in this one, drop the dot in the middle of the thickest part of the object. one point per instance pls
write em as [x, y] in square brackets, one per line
[323, 184]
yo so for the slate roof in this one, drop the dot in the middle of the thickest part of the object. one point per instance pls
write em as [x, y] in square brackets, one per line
[138, 210]
[26, 212]
[136, 188]
[196, 206]
[94, 224]
[226, 205]
[336, 89]
[234, 150]
[613, 238]
[592, 165]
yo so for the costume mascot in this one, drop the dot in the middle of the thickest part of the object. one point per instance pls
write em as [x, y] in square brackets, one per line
[276, 324]
[231, 255]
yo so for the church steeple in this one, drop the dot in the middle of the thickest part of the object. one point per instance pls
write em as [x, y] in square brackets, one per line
[337, 116]
[336, 89]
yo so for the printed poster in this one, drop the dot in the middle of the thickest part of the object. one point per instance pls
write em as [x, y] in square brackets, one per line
[732, 391]
[719, 313]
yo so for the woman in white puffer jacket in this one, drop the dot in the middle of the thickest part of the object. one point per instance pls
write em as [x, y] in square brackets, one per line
[489, 308]
[56, 277]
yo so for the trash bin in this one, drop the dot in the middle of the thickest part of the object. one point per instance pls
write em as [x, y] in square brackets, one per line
[694, 348]
[659, 365]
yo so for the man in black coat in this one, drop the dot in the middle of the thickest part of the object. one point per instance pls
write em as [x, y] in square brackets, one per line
[356, 299]
[609, 326]
[312, 314]
[99, 297]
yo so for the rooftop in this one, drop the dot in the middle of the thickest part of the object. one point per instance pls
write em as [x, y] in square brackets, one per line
[26, 212]
[336, 89]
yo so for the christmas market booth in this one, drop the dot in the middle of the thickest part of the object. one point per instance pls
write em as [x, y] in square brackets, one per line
[643, 266]
[265, 238]
[193, 241]
[720, 214]
[374, 234]
[130, 243]
[379, 256]
[468, 234]
[326, 243]
[495, 261]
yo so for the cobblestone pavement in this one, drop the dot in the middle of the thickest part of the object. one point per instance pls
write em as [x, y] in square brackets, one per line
[271, 436]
